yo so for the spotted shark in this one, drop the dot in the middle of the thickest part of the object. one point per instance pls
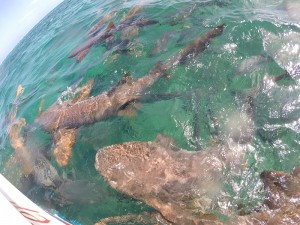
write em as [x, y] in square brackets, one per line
[179, 184]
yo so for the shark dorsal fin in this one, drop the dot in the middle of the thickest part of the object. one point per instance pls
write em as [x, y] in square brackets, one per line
[166, 142]
[129, 109]
[125, 79]
[110, 26]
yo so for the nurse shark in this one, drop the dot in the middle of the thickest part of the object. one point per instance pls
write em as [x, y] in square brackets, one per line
[65, 117]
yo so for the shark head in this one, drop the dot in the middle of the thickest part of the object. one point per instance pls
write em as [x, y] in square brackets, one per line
[218, 30]
[179, 184]
[114, 162]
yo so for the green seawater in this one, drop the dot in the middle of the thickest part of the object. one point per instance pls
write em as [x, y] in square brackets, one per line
[209, 87]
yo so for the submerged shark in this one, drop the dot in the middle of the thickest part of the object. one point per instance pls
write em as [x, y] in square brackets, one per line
[293, 7]
[129, 26]
[197, 46]
[183, 185]
[99, 107]
[179, 184]
[111, 29]
[95, 28]
[37, 170]
[62, 119]
[127, 90]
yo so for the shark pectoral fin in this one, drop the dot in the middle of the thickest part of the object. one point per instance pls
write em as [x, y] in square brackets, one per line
[13, 111]
[64, 140]
[278, 78]
[18, 143]
[125, 79]
[129, 109]
[167, 142]
[129, 112]
[110, 26]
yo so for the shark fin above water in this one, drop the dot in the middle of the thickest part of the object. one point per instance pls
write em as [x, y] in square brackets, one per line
[110, 26]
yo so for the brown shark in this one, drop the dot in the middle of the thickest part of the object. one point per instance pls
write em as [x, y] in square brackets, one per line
[282, 202]
[132, 12]
[35, 165]
[99, 107]
[65, 138]
[101, 36]
[161, 43]
[95, 35]
[197, 46]
[179, 184]
[182, 14]
[101, 22]
[110, 102]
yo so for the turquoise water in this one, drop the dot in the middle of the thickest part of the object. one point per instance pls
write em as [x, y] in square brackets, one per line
[210, 86]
